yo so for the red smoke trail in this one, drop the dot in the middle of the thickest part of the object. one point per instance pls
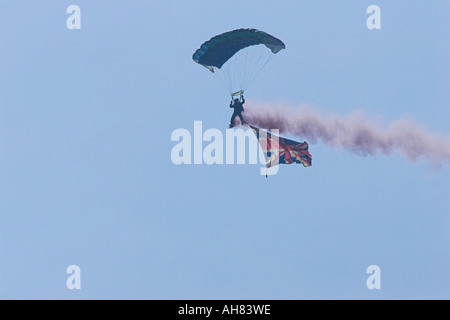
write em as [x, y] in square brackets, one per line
[353, 132]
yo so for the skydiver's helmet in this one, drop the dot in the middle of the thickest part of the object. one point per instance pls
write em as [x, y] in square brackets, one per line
[236, 100]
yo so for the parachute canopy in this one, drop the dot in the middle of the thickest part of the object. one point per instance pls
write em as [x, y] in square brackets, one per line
[236, 57]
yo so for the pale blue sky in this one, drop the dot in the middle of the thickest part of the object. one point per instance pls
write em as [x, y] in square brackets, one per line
[86, 176]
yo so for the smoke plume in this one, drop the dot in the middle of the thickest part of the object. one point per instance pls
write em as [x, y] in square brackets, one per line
[354, 132]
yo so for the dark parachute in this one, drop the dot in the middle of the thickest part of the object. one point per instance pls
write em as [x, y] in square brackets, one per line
[215, 52]
[236, 57]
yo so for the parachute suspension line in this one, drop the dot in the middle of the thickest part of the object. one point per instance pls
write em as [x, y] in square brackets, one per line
[242, 70]
[257, 68]
[222, 73]
[256, 63]
[248, 59]
[219, 79]
[259, 71]
[249, 64]
[245, 66]
[239, 73]
[240, 63]
[229, 76]
[231, 65]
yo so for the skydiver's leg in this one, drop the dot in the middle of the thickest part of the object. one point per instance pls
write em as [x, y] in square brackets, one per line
[242, 119]
[232, 120]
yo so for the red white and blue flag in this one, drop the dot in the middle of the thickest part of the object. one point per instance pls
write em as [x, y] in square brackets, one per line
[278, 150]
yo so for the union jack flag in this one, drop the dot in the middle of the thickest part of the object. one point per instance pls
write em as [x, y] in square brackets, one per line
[278, 150]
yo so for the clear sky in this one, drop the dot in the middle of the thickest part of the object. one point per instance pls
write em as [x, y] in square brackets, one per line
[86, 176]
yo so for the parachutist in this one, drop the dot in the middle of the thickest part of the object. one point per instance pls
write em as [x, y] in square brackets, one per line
[237, 105]
[236, 57]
